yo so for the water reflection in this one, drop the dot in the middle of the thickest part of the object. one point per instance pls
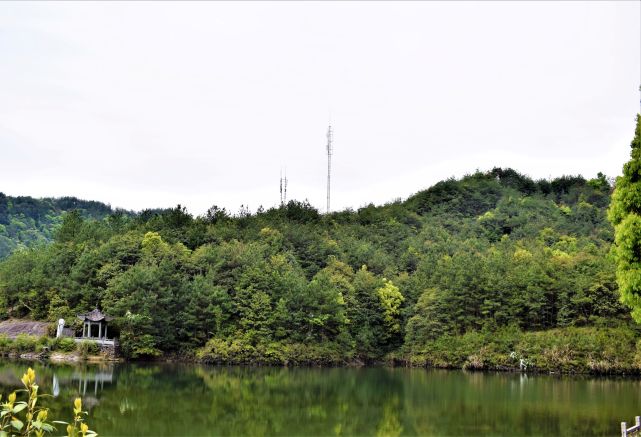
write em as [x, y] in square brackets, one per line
[162, 399]
[84, 377]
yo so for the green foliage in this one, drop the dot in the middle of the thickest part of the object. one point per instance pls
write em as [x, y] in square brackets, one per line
[239, 351]
[86, 348]
[491, 251]
[625, 216]
[63, 344]
[390, 299]
[6, 344]
[79, 426]
[568, 350]
[28, 343]
[29, 418]
[27, 222]
[25, 343]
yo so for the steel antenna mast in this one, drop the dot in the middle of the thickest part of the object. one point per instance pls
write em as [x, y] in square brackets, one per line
[329, 163]
[283, 187]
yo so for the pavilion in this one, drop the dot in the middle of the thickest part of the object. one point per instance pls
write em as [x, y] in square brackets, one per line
[94, 326]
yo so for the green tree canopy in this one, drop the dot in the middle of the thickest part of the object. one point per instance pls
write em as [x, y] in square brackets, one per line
[625, 215]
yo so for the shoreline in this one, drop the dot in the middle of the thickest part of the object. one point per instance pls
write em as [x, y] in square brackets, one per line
[614, 350]
[61, 357]
[74, 358]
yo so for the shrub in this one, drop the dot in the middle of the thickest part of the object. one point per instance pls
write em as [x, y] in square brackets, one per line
[239, 351]
[86, 348]
[52, 329]
[25, 343]
[571, 349]
[63, 344]
[66, 344]
[6, 344]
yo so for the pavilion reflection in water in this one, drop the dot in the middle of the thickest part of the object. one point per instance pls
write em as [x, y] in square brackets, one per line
[87, 379]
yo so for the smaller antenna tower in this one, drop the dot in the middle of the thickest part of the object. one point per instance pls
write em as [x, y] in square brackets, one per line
[283, 188]
[330, 151]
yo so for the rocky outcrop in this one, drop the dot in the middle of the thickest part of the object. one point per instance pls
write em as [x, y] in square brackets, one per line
[14, 327]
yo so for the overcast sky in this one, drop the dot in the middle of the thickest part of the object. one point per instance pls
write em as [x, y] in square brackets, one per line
[153, 104]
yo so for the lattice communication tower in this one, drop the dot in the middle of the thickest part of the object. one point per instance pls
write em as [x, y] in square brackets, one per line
[330, 151]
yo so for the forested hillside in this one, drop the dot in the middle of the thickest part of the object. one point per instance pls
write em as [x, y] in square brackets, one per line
[28, 222]
[471, 272]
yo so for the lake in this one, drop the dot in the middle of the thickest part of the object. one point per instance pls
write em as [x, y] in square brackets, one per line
[179, 399]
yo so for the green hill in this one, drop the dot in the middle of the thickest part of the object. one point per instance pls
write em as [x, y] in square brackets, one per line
[28, 222]
[471, 272]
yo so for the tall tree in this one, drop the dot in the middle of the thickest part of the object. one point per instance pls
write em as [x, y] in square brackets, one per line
[625, 215]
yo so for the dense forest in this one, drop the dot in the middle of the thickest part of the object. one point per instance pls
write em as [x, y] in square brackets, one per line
[476, 273]
[29, 222]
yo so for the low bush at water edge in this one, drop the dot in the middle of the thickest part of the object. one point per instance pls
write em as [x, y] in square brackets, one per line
[566, 350]
[240, 351]
[29, 343]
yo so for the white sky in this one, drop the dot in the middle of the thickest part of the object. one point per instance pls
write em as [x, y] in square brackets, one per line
[152, 104]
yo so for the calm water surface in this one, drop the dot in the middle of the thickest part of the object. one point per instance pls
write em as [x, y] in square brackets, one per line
[177, 400]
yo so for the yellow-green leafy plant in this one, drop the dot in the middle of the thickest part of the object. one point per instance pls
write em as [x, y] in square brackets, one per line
[78, 427]
[28, 418]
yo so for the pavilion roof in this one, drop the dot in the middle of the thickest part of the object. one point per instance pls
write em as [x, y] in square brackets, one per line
[94, 316]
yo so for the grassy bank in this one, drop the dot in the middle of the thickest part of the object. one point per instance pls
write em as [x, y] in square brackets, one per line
[599, 350]
[32, 344]
[596, 350]
[239, 351]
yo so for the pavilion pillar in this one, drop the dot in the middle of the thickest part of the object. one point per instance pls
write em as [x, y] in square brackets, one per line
[100, 330]
[105, 331]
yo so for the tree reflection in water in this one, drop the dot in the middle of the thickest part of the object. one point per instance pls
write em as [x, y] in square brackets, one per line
[170, 399]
